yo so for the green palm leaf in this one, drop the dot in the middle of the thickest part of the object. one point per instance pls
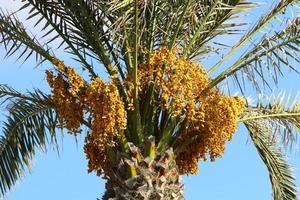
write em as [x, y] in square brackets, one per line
[15, 39]
[281, 176]
[265, 61]
[283, 113]
[213, 19]
[29, 126]
[274, 12]
[58, 22]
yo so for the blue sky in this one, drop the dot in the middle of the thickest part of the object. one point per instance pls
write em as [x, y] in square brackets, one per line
[240, 174]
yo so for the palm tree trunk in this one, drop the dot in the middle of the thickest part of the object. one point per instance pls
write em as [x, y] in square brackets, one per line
[154, 178]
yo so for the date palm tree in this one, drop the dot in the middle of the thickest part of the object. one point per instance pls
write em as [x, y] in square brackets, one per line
[162, 109]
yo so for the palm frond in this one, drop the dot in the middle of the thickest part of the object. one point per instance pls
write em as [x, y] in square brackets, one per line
[29, 126]
[213, 19]
[80, 25]
[16, 39]
[56, 20]
[88, 30]
[274, 12]
[176, 24]
[281, 175]
[283, 113]
[105, 29]
[266, 60]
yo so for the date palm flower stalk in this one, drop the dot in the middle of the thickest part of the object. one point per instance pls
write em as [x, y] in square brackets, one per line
[161, 111]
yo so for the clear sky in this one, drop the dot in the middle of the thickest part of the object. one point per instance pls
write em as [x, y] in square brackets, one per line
[240, 174]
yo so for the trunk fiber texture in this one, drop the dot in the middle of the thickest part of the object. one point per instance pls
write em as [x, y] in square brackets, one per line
[154, 178]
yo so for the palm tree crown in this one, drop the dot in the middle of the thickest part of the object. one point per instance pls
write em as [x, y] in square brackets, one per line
[162, 109]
